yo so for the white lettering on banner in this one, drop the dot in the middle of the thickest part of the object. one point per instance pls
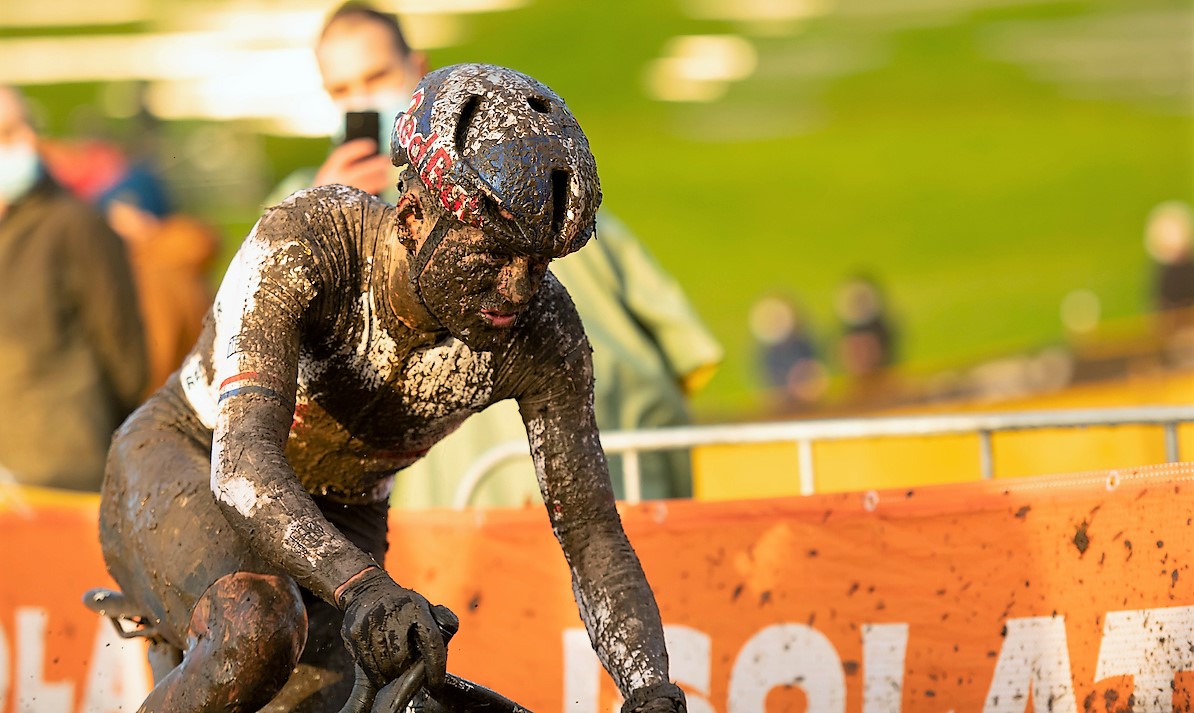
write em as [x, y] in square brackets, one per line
[118, 679]
[787, 655]
[4, 669]
[1036, 657]
[33, 693]
[1151, 645]
[690, 657]
[582, 673]
[884, 647]
[117, 673]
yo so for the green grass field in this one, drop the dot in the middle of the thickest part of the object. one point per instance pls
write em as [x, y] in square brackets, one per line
[979, 193]
[982, 158]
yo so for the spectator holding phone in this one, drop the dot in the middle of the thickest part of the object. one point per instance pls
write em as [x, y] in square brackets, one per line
[367, 68]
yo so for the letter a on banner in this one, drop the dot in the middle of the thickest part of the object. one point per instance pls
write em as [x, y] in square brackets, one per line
[1036, 657]
[1151, 646]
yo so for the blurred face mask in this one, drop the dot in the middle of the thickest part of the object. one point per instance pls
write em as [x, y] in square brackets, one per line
[19, 170]
[388, 105]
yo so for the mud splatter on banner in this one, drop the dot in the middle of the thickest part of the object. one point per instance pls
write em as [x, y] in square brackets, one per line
[1068, 594]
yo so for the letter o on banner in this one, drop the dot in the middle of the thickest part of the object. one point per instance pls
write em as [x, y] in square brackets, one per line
[787, 655]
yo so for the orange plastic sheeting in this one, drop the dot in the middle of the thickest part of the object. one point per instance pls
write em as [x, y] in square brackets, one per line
[55, 655]
[771, 470]
[1050, 595]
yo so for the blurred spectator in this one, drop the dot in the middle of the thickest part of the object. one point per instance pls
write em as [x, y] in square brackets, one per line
[791, 364]
[366, 65]
[1168, 238]
[86, 167]
[649, 346]
[72, 358]
[171, 255]
[868, 342]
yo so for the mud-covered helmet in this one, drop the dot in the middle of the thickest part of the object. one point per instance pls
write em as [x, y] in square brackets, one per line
[500, 151]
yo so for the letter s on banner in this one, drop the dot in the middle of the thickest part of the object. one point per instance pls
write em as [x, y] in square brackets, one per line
[689, 660]
[788, 655]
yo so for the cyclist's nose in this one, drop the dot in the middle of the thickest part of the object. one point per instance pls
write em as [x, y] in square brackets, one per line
[516, 283]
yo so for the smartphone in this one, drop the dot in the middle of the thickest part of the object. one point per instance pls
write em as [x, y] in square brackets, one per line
[362, 125]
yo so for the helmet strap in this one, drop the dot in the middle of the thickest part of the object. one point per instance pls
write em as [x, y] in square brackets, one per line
[438, 232]
[423, 256]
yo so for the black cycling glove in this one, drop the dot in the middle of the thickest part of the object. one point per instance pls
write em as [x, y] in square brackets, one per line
[659, 698]
[387, 628]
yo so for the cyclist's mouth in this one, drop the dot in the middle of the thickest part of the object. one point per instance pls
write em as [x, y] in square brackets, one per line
[499, 319]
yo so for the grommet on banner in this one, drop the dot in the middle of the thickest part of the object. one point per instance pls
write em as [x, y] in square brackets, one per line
[1112, 480]
[870, 500]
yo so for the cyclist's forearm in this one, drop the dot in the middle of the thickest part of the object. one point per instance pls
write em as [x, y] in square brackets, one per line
[264, 503]
[618, 608]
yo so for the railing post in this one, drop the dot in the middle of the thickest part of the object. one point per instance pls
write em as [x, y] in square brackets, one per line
[1171, 447]
[986, 455]
[804, 459]
[632, 478]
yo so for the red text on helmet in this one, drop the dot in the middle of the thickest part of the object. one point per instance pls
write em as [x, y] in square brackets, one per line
[432, 163]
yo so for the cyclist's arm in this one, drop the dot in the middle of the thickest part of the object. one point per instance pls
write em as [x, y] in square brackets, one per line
[259, 309]
[615, 601]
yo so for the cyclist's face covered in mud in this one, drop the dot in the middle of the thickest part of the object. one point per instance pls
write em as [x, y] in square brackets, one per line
[476, 287]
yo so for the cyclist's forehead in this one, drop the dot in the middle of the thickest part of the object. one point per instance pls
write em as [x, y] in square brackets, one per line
[495, 242]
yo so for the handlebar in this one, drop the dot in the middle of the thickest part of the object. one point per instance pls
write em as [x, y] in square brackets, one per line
[397, 694]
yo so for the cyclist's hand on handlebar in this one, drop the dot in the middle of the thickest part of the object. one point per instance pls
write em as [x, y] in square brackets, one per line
[388, 629]
[659, 698]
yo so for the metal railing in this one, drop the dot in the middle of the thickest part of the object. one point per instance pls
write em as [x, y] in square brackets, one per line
[803, 434]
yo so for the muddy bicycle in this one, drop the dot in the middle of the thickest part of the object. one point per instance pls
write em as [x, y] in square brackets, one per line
[406, 693]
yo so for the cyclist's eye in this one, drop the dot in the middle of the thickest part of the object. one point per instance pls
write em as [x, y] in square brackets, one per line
[488, 259]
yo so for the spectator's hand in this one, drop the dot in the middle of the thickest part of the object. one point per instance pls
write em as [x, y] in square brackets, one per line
[388, 628]
[356, 163]
[660, 698]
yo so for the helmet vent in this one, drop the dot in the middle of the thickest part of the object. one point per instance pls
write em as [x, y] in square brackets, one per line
[467, 112]
[559, 200]
[539, 104]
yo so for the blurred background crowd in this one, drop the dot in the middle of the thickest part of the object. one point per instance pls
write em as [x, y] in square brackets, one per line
[856, 204]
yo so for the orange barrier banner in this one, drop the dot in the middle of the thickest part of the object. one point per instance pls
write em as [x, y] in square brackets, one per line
[1050, 595]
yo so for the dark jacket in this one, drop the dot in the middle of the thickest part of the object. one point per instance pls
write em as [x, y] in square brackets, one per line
[72, 355]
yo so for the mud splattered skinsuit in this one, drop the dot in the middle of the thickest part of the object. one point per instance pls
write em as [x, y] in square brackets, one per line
[308, 387]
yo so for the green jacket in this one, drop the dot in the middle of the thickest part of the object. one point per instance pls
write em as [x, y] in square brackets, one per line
[646, 338]
[72, 354]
